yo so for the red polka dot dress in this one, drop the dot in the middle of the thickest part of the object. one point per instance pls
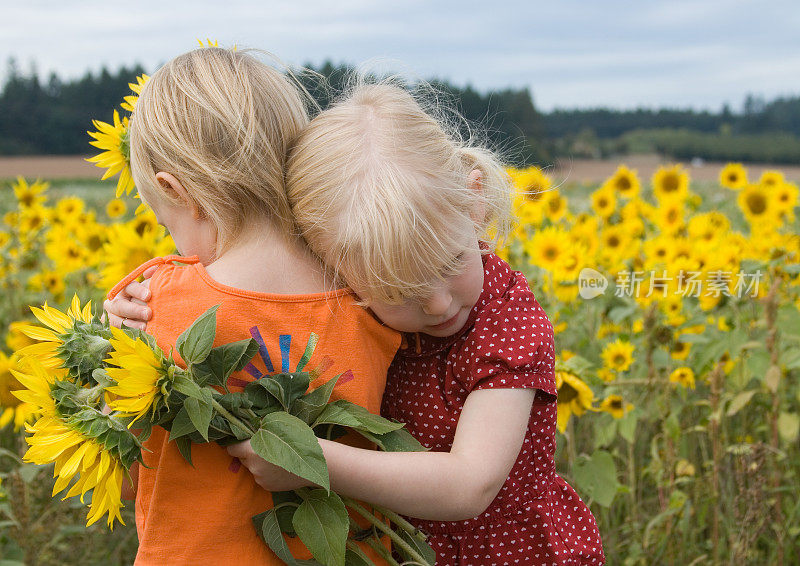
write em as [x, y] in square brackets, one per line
[536, 518]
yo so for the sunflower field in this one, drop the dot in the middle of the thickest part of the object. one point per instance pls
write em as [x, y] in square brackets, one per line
[676, 309]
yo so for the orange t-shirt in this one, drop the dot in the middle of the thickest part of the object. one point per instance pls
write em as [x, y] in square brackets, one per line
[201, 514]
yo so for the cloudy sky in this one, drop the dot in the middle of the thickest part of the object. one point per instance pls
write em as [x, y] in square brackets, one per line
[570, 53]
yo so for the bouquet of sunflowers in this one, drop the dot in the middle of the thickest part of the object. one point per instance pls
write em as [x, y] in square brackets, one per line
[91, 383]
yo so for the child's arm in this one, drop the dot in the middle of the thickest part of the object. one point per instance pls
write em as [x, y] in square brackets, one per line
[439, 486]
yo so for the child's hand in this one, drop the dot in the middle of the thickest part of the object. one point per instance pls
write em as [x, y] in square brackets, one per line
[268, 476]
[129, 307]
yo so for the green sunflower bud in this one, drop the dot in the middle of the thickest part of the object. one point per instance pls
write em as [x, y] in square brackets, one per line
[83, 349]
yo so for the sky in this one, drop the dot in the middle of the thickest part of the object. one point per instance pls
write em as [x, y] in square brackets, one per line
[696, 54]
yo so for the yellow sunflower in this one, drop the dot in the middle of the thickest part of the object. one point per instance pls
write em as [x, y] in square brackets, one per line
[604, 202]
[76, 455]
[758, 206]
[680, 350]
[54, 438]
[618, 355]
[130, 100]
[574, 397]
[672, 307]
[771, 178]
[615, 406]
[565, 293]
[632, 217]
[669, 216]
[569, 266]
[531, 186]
[555, 205]
[140, 375]
[93, 236]
[32, 220]
[606, 375]
[116, 208]
[50, 337]
[66, 252]
[683, 376]
[583, 232]
[50, 281]
[624, 181]
[733, 176]
[547, 247]
[786, 196]
[30, 195]
[657, 251]
[706, 227]
[616, 245]
[608, 329]
[68, 210]
[532, 183]
[126, 249]
[671, 183]
[145, 221]
[115, 158]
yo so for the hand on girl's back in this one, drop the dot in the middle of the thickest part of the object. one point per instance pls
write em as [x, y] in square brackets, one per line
[129, 307]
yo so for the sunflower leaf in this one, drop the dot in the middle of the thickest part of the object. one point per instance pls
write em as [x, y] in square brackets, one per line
[223, 360]
[200, 413]
[181, 424]
[188, 387]
[354, 556]
[348, 414]
[194, 343]
[185, 448]
[285, 503]
[423, 548]
[395, 441]
[597, 477]
[288, 442]
[309, 406]
[269, 530]
[322, 523]
[285, 387]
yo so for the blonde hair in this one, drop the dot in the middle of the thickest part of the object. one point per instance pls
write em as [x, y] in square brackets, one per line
[221, 122]
[375, 183]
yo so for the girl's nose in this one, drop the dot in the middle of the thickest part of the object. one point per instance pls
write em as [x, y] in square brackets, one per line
[438, 303]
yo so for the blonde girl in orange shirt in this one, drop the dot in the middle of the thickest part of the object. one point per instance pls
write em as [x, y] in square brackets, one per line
[209, 138]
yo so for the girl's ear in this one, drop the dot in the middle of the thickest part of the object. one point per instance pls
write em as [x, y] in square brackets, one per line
[172, 186]
[475, 183]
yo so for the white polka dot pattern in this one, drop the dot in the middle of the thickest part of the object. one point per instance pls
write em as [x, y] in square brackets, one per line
[536, 518]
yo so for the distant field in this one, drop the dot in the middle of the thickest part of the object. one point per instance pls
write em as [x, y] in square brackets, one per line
[48, 167]
[563, 171]
[596, 170]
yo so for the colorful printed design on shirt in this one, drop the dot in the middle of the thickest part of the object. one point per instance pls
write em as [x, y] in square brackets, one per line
[284, 345]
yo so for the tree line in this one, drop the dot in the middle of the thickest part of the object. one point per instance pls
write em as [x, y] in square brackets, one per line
[52, 116]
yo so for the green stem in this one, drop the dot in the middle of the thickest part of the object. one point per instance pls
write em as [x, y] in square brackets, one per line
[231, 419]
[380, 525]
[381, 550]
[402, 523]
